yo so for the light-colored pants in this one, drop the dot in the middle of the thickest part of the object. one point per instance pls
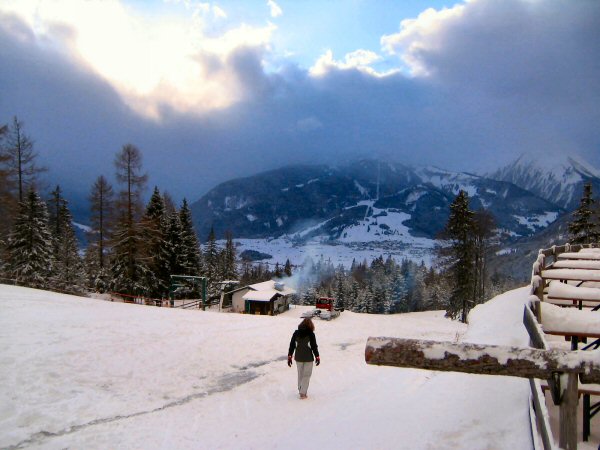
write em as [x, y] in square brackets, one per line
[304, 373]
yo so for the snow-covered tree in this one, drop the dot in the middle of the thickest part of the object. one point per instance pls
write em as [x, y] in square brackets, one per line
[30, 258]
[169, 260]
[68, 273]
[585, 228]
[459, 231]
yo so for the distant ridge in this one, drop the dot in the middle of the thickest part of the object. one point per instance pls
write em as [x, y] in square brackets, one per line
[558, 179]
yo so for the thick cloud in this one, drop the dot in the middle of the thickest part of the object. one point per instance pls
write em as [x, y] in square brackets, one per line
[490, 80]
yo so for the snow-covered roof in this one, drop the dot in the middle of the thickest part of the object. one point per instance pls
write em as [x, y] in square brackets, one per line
[265, 291]
[261, 296]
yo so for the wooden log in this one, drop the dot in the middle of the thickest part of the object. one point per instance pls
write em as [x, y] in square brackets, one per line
[481, 359]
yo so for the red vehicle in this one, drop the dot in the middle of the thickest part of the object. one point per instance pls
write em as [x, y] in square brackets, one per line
[325, 303]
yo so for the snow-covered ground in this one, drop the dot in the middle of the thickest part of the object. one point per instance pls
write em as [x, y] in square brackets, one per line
[380, 233]
[87, 373]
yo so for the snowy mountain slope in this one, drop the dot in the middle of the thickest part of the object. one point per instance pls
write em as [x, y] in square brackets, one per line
[310, 201]
[83, 373]
[558, 179]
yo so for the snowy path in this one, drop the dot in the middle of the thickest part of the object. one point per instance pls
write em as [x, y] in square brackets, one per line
[84, 373]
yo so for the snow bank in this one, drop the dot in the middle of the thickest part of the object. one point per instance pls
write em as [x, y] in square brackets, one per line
[562, 290]
[569, 320]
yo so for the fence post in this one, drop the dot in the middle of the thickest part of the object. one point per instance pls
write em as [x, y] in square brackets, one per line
[568, 414]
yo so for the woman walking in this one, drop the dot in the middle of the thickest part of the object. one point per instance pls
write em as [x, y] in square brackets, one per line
[304, 343]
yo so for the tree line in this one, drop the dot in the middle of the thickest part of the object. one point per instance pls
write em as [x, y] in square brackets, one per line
[132, 248]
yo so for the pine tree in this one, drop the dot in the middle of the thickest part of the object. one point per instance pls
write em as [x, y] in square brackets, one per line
[340, 289]
[153, 228]
[352, 300]
[190, 248]
[69, 275]
[585, 229]
[20, 159]
[8, 203]
[211, 261]
[170, 261]
[129, 270]
[287, 269]
[483, 232]
[278, 273]
[101, 220]
[459, 231]
[30, 258]
[229, 259]
[399, 291]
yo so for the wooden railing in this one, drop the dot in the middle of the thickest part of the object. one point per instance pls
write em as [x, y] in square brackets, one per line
[566, 397]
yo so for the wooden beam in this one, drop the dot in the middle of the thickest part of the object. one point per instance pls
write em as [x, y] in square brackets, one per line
[567, 436]
[481, 359]
[533, 328]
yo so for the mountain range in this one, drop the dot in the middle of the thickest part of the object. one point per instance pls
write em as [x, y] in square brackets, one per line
[390, 206]
[306, 201]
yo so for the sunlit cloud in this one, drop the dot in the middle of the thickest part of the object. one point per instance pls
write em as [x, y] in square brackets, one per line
[276, 10]
[359, 59]
[420, 36]
[154, 64]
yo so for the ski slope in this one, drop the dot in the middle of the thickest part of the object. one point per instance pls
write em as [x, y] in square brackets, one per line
[85, 373]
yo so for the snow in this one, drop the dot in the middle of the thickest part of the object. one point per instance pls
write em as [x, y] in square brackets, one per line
[444, 179]
[565, 320]
[571, 274]
[265, 291]
[557, 289]
[369, 229]
[537, 221]
[251, 217]
[233, 202]
[577, 264]
[580, 255]
[83, 227]
[284, 248]
[506, 251]
[360, 188]
[414, 197]
[87, 373]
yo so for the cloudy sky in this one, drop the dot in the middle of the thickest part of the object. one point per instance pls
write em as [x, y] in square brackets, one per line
[214, 90]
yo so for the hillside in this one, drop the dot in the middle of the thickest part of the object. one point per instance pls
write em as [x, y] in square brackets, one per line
[85, 373]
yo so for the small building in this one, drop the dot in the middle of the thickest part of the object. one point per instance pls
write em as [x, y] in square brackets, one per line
[267, 298]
